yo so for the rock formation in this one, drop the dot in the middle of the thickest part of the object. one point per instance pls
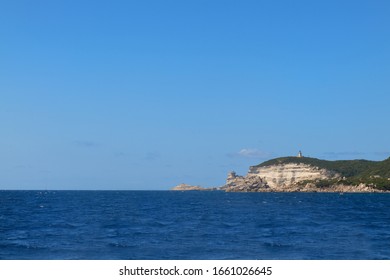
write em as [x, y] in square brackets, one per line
[304, 174]
[290, 177]
[279, 177]
[249, 183]
[185, 187]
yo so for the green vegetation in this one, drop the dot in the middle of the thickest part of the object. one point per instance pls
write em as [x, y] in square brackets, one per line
[380, 168]
[352, 172]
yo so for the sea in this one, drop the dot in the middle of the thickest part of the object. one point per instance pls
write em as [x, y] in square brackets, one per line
[214, 225]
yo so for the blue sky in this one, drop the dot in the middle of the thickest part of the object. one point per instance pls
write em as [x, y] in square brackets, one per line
[150, 94]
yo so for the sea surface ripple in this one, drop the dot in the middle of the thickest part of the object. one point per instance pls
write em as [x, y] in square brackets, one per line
[193, 225]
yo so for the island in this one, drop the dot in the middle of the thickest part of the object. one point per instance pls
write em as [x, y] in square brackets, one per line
[185, 187]
[306, 174]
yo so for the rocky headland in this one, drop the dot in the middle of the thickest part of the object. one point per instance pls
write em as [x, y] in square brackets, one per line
[290, 178]
[302, 174]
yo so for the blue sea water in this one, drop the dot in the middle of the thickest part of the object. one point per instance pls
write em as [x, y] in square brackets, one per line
[193, 225]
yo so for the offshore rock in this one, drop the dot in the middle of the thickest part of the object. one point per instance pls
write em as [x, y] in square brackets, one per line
[185, 187]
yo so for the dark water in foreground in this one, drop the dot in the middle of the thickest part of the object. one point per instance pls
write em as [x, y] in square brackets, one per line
[193, 225]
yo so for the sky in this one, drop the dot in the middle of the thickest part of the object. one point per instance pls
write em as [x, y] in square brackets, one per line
[145, 95]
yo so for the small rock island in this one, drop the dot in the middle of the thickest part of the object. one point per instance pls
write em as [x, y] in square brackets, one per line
[305, 174]
[185, 187]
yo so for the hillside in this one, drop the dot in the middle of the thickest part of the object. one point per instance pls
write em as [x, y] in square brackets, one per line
[352, 172]
[305, 174]
[380, 168]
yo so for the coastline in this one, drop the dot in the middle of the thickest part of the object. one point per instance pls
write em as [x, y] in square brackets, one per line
[304, 174]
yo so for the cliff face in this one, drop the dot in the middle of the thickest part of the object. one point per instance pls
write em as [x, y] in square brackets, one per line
[305, 174]
[289, 177]
[284, 175]
[249, 183]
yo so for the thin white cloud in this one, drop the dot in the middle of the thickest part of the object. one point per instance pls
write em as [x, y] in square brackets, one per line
[251, 153]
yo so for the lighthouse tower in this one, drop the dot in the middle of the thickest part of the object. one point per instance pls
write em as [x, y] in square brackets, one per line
[300, 154]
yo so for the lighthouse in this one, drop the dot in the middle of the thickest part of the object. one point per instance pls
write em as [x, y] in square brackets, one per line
[300, 154]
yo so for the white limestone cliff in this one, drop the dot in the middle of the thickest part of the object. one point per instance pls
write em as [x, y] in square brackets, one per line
[284, 175]
[289, 177]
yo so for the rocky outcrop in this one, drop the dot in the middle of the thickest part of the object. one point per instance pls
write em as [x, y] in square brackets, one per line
[340, 188]
[185, 187]
[249, 183]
